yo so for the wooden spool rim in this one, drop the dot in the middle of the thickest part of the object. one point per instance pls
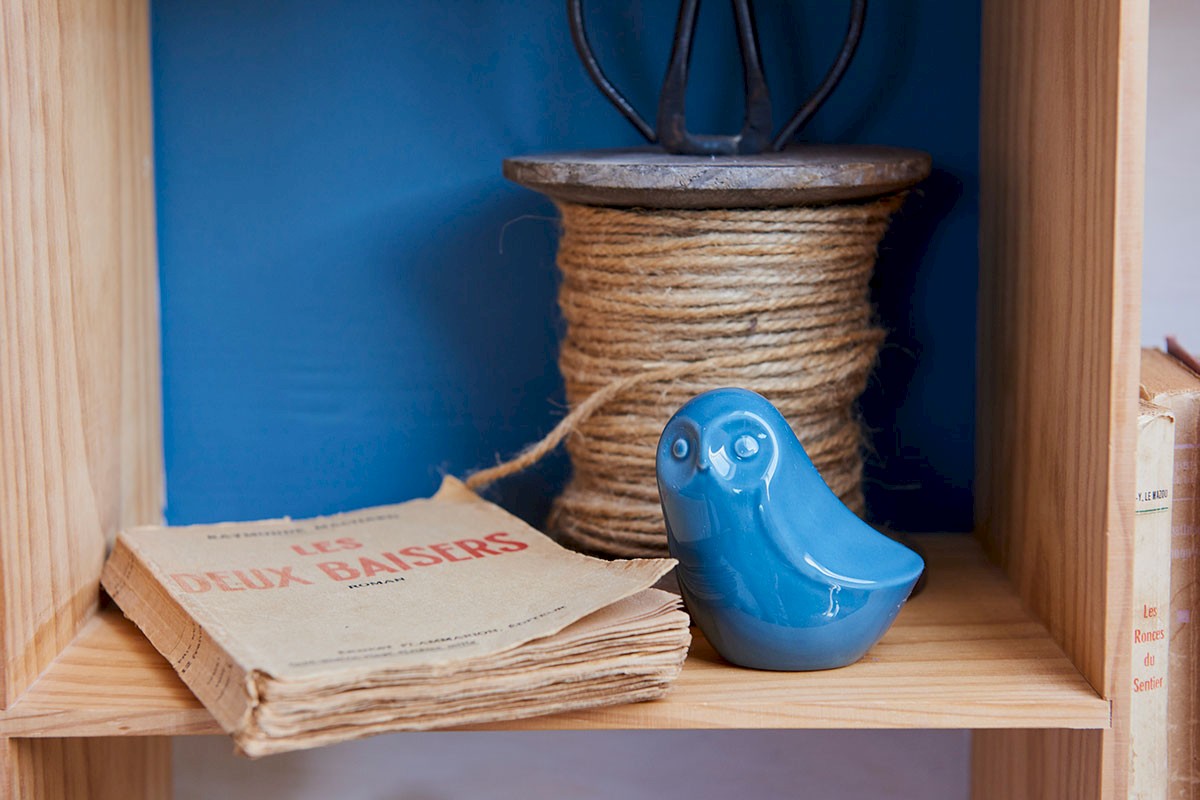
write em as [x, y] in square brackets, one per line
[806, 174]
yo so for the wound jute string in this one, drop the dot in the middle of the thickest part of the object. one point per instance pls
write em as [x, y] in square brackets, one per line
[663, 304]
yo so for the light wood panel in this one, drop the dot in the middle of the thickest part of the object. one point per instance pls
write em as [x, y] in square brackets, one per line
[1062, 131]
[1024, 765]
[79, 378]
[962, 654]
[87, 769]
[80, 436]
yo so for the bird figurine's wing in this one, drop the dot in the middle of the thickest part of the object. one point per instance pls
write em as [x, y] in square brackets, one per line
[825, 541]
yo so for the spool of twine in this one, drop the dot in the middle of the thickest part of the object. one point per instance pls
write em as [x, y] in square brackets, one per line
[663, 304]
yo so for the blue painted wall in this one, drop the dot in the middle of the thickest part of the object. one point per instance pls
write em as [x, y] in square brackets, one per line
[354, 301]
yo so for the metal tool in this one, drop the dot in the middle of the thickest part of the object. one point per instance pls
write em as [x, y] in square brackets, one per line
[755, 135]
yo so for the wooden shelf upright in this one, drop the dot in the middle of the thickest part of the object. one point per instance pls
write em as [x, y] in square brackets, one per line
[1022, 634]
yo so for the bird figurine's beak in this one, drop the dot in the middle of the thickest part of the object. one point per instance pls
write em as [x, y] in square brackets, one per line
[718, 460]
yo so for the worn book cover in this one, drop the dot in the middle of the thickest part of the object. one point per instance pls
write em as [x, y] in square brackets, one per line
[443, 611]
[1151, 604]
[1168, 383]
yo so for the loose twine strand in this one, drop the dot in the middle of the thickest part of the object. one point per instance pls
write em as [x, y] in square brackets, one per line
[661, 305]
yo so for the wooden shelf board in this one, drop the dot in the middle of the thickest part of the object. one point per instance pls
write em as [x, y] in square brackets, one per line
[962, 654]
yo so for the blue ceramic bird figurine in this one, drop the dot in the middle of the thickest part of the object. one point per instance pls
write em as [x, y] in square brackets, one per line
[775, 570]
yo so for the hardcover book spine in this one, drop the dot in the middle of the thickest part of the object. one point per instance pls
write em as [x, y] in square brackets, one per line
[1150, 652]
[1168, 383]
[1183, 701]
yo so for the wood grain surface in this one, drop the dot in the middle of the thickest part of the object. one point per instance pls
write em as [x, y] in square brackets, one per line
[80, 431]
[1061, 162]
[88, 769]
[1043, 764]
[962, 654]
[79, 359]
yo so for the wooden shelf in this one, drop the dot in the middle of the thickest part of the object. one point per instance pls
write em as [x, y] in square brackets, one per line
[963, 654]
[1060, 245]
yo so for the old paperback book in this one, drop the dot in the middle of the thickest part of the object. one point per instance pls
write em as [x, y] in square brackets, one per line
[440, 612]
[1169, 383]
[1150, 631]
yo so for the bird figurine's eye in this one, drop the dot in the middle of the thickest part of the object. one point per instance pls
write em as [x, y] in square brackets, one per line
[745, 446]
[679, 448]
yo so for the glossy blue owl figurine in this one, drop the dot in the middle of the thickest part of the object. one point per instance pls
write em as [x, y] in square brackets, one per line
[775, 570]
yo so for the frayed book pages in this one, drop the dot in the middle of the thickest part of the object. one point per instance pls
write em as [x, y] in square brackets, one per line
[440, 612]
